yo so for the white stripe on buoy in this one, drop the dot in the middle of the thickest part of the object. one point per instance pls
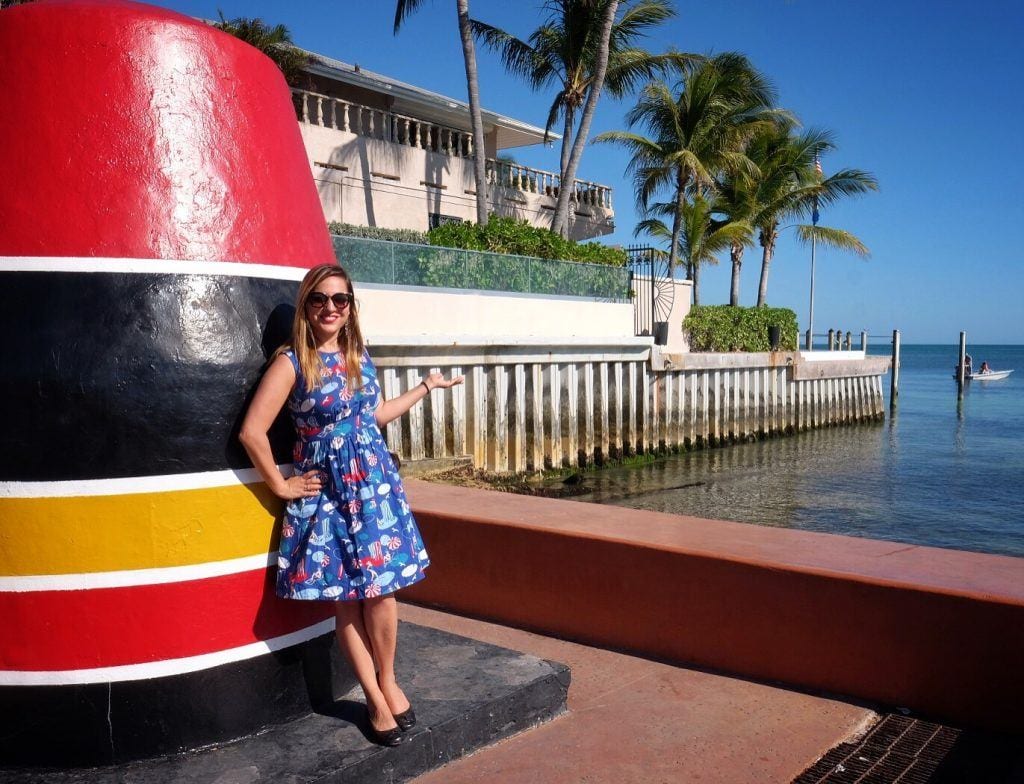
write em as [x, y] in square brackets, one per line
[234, 269]
[128, 577]
[129, 485]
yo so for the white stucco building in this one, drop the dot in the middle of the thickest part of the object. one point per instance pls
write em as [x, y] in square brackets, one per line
[389, 154]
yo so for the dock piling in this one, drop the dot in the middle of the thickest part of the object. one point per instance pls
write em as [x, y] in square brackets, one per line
[864, 341]
[961, 367]
[894, 387]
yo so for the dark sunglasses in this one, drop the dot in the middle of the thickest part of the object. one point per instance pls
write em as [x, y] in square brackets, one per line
[341, 300]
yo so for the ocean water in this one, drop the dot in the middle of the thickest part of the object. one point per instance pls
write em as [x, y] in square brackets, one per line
[936, 472]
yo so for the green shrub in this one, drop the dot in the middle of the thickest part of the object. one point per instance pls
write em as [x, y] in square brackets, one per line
[376, 233]
[727, 328]
[518, 238]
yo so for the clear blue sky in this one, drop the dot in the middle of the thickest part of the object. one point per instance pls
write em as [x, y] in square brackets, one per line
[924, 94]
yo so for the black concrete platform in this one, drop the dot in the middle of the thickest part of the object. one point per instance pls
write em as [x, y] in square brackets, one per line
[467, 694]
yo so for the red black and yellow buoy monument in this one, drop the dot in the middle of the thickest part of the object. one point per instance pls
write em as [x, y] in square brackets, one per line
[157, 208]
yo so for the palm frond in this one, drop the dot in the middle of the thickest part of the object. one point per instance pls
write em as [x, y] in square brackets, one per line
[640, 16]
[832, 238]
[554, 112]
[846, 182]
[275, 42]
[518, 57]
[404, 9]
[653, 227]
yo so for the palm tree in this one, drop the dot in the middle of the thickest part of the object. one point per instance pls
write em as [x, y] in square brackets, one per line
[695, 133]
[405, 7]
[275, 42]
[786, 184]
[701, 237]
[735, 200]
[581, 49]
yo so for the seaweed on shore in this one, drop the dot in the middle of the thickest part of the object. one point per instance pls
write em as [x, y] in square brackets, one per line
[571, 485]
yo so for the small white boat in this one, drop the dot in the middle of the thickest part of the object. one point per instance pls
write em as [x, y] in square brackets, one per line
[989, 375]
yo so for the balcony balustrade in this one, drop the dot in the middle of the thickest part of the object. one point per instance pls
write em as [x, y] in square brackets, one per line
[529, 180]
[329, 112]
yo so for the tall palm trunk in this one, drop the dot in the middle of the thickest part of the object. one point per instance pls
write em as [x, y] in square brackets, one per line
[473, 85]
[677, 226]
[695, 277]
[736, 256]
[568, 175]
[570, 119]
[768, 245]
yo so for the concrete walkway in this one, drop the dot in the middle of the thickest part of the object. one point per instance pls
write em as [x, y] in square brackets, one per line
[635, 720]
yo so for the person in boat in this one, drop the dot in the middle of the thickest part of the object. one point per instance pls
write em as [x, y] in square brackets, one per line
[985, 368]
[347, 534]
[968, 369]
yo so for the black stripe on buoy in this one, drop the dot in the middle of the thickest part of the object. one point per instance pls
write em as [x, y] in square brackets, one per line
[109, 374]
[102, 724]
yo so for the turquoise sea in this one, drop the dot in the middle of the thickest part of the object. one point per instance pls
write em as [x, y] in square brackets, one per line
[936, 472]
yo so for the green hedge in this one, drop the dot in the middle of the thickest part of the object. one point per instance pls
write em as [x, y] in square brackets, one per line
[728, 328]
[376, 233]
[519, 238]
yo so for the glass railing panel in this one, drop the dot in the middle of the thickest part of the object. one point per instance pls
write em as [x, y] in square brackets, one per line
[408, 264]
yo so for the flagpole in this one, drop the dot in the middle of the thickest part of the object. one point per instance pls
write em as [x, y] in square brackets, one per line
[814, 243]
[810, 318]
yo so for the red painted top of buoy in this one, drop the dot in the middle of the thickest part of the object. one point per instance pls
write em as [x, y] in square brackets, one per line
[133, 131]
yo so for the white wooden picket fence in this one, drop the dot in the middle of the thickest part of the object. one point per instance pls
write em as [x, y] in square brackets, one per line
[528, 405]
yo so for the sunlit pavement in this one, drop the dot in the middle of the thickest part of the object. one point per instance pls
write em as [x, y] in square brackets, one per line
[635, 720]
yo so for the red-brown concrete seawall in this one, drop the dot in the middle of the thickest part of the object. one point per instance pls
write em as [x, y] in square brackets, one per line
[938, 631]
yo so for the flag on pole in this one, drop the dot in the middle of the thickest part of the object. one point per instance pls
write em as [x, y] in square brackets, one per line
[815, 215]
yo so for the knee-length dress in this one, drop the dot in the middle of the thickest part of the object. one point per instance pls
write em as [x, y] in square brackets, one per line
[357, 538]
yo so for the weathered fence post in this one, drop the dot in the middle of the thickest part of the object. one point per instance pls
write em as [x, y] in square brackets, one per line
[961, 367]
[894, 388]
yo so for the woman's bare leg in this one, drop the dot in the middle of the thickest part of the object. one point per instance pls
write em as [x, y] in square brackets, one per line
[380, 616]
[356, 644]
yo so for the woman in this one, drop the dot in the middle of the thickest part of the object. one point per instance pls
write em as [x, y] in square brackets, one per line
[347, 535]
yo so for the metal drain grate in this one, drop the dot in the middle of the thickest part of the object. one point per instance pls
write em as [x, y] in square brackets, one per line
[899, 750]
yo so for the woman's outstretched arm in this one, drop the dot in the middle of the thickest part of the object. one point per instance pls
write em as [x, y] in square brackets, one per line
[267, 403]
[392, 409]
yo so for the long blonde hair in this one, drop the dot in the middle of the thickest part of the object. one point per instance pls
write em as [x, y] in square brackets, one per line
[304, 341]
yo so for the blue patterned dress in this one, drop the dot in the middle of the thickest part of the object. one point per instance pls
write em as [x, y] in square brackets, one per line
[357, 538]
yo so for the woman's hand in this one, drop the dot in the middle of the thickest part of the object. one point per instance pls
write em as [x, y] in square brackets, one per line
[438, 381]
[300, 486]
[390, 410]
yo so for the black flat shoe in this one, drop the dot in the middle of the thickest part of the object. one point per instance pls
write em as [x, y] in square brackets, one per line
[391, 737]
[406, 720]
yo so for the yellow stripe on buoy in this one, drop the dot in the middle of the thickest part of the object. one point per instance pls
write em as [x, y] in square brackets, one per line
[99, 533]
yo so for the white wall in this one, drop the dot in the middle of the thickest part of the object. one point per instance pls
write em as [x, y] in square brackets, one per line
[451, 314]
[682, 293]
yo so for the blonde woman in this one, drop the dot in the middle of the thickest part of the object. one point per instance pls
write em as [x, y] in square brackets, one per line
[347, 535]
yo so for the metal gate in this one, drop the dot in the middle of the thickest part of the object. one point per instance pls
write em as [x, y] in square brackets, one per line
[653, 293]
